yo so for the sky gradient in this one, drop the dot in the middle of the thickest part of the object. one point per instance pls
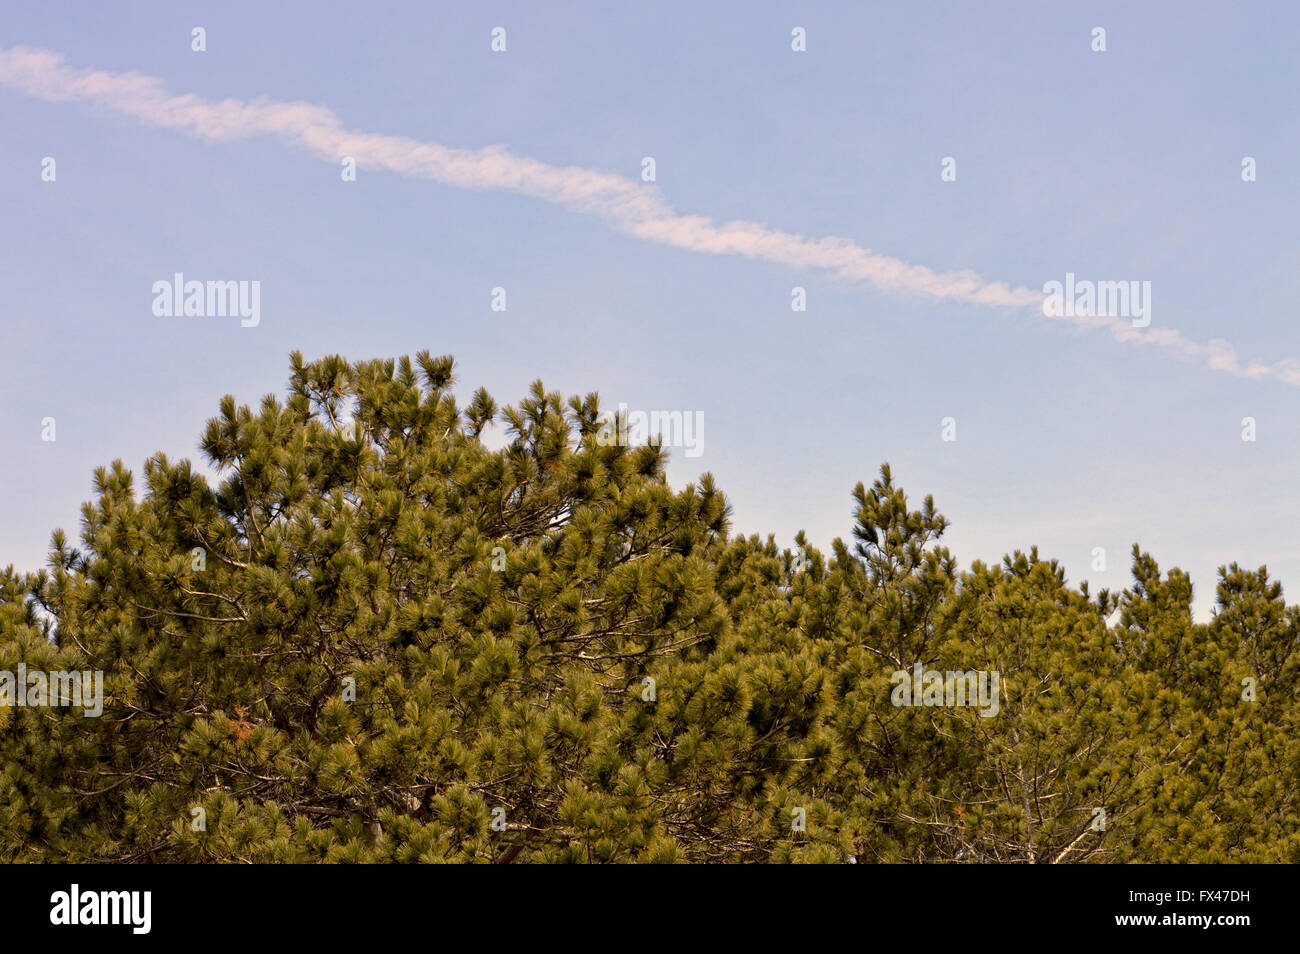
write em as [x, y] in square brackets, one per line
[522, 169]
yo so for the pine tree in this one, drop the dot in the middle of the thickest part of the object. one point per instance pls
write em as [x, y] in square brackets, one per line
[375, 639]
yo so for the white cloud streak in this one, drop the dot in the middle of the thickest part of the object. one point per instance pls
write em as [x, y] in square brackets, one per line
[632, 207]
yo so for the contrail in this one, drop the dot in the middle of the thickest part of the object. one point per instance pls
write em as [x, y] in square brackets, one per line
[632, 207]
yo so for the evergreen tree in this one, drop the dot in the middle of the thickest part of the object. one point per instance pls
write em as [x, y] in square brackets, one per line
[374, 639]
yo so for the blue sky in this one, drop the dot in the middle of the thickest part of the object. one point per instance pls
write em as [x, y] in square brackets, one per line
[1122, 165]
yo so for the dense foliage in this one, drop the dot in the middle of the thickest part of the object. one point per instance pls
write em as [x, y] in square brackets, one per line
[379, 640]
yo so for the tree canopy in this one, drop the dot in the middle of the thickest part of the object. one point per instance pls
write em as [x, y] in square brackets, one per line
[376, 639]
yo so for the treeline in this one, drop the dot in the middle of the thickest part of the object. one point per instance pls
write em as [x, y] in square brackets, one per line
[378, 640]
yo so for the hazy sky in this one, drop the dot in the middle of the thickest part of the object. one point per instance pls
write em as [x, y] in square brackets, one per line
[774, 168]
